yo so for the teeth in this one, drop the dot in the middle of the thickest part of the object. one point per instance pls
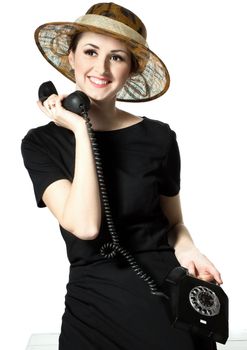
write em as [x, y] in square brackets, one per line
[98, 81]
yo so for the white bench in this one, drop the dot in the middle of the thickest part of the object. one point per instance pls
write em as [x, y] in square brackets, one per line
[49, 341]
[41, 341]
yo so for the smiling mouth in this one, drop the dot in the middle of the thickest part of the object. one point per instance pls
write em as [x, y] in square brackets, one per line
[99, 82]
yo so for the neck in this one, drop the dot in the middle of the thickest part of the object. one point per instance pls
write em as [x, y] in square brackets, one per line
[103, 115]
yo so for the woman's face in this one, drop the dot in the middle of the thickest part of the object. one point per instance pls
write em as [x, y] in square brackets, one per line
[102, 65]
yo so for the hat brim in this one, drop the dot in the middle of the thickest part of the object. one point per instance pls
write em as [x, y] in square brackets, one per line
[150, 82]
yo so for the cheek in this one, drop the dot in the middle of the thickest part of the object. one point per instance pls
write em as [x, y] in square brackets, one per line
[125, 73]
[81, 69]
[81, 63]
[78, 65]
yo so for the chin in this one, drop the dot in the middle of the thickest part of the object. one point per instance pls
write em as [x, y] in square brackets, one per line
[97, 98]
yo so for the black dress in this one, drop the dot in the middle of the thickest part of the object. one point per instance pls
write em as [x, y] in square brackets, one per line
[107, 306]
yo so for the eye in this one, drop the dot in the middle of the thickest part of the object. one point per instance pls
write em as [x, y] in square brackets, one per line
[117, 58]
[90, 52]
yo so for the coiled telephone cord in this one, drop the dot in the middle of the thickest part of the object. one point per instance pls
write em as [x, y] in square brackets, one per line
[110, 249]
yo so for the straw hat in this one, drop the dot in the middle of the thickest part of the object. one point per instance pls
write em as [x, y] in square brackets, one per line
[151, 79]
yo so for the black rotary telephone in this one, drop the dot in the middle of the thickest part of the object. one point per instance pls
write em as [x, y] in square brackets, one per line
[195, 305]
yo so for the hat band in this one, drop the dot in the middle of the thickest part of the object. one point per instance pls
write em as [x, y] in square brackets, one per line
[112, 25]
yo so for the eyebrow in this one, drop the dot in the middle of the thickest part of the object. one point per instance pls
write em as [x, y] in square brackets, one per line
[96, 47]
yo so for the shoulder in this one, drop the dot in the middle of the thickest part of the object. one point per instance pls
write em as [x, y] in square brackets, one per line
[46, 134]
[160, 126]
[44, 131]
[161, 132]
[38, 132]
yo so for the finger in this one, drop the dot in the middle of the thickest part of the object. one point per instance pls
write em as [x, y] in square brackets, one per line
[216, 274]
[45, 109]
[211, 275]
[191, 268]
[54, 104]
[206, 276]
[49, 105]
[62, 96]
[40, 104]
[58, 102]
[218, 278]
[52, 98]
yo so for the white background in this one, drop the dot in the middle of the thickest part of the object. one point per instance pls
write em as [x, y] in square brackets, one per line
[203, 44]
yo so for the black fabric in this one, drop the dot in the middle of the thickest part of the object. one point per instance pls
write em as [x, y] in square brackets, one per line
[107, 306]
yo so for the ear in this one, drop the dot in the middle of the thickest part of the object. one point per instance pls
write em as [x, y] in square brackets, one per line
[71, 58]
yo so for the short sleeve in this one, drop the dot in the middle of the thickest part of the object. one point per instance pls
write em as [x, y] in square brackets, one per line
[41, 168]
[170, 169]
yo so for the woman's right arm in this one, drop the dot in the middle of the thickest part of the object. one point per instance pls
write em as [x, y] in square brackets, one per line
[76, 204]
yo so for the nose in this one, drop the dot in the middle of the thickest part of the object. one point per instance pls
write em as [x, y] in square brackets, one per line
[102, 65]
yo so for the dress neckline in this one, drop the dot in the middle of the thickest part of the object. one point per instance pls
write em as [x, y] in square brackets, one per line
[133, 126]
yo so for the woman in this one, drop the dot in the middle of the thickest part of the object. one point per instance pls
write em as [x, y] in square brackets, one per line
[107, 306]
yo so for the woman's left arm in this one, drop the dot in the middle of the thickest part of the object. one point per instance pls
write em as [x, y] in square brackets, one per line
[180, 239]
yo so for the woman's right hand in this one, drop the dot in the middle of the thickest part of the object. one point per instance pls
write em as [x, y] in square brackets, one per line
[52, 107]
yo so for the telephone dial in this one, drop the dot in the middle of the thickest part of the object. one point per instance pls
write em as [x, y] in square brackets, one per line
[195, 305]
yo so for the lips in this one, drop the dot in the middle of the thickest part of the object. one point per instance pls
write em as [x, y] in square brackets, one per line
[99, 82]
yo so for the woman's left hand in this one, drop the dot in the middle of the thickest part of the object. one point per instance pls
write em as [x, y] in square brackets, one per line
[198, 265]
[179, 238]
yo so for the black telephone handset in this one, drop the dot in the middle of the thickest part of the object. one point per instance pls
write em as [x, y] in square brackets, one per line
[77, 102]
